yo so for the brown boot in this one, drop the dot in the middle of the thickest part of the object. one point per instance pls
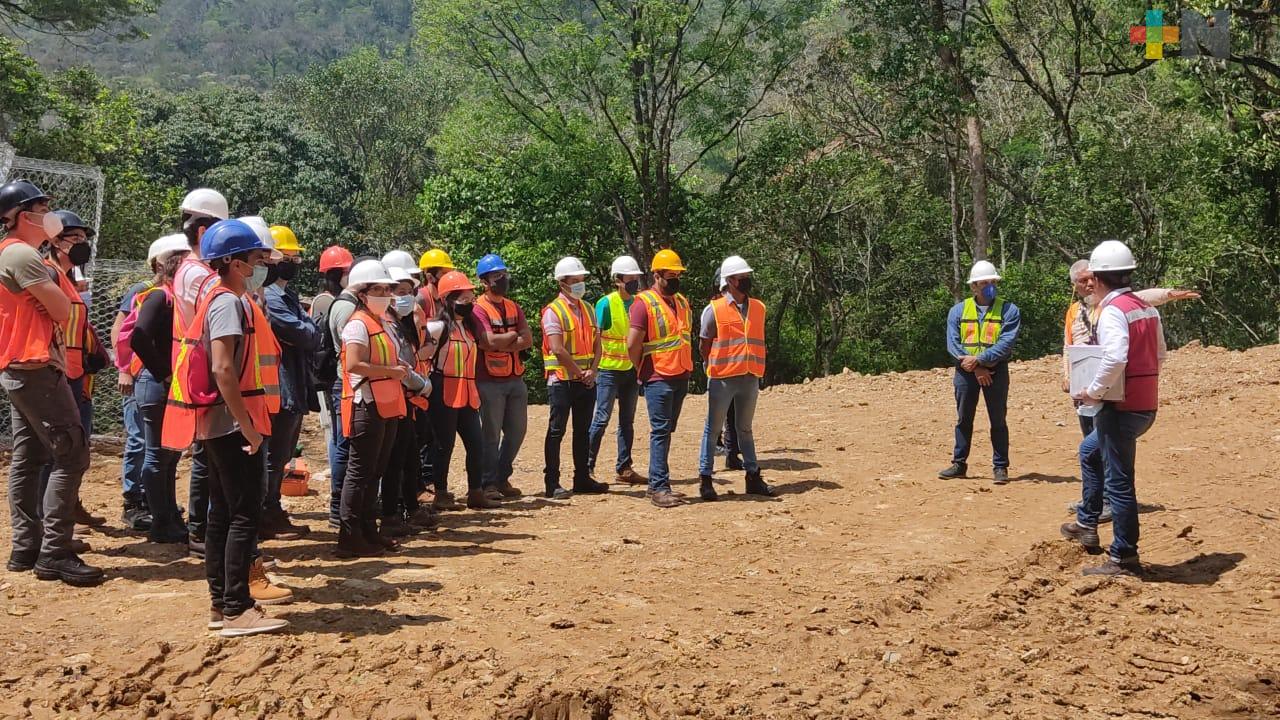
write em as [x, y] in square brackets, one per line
[444, 502]
[479, 500]
[509, 490]
[631, 477]
[664, 499]
[261, 589]
[84, 517]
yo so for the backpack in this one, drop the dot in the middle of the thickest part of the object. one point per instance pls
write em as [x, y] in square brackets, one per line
[324, 363]
[124, 351]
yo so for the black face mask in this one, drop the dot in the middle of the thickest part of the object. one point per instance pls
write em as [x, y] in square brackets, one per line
[501, 285]
[744, 285]
[463, 309]
[632, 287]
[79, 253]
[273, 274]
[670, 286]
[286, 271]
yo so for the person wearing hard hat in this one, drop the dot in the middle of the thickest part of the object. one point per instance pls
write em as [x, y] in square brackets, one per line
[732, 341]
[504, 398]
[570, 358]
[150, 344]
[35, 301]
[200, 209]
[219, 396]
[335, 264]
[455, 399]
[616, 380]
[659, 343]
[981, 332]
[299, 339]
[373, 402]
[434, 263]
[1133, 350]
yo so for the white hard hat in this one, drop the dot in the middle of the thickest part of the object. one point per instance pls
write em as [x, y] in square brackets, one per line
[368, 272]
[732, 265]
[404, 261]
[568, 267]
[205, 203]
[263, 231]
[399, 274]
[1111, 255]
[983, 270]
[625, 265]
[167, 245]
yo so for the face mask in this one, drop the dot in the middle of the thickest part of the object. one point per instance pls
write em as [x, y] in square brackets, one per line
[463, 309]
[35, 229]
[578, 289]
[500, 286]
[378, 305]
[287, 270]
[79, 253]
[671, 286]
[631, 286]
[744, 285]
[255, 281]
[989, 293]
[404, 305]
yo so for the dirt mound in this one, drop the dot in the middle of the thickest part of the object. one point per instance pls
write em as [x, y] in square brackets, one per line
[868, 589]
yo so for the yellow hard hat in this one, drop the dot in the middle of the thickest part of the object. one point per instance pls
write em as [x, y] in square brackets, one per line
[285, 239]
[667, 260]
[435, 258]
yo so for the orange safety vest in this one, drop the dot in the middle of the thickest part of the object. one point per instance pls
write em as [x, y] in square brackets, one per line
[427, 301]
[184, 407]
[579, 338]
[738, 348]
[388, 394]
[268, 356]
[420, 366]
[26, 332]
[135, 362]
[76, 329]
[458, 368]
[503, 319]
[669, 343]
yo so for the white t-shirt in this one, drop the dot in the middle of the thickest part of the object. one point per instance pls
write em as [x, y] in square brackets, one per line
[187, 283]
[355, 333]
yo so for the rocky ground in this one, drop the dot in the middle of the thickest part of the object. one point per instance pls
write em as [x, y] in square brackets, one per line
[868, 589]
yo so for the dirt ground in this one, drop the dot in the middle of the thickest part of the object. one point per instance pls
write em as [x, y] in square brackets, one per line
[868, 589]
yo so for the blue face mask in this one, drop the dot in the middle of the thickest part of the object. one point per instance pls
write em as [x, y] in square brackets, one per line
[989, 293]
[404, 305]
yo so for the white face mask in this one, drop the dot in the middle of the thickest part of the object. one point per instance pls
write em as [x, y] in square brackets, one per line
[404, 305]
[578, 289]
[47, 223]
[378, 305]
[257, 279]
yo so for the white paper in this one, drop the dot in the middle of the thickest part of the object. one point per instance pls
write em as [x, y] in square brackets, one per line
[1084, 361]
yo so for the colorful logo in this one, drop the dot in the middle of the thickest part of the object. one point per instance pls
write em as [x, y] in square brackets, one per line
[1154, 34]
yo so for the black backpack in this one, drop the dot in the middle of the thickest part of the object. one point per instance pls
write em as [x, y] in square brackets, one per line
[324, 363]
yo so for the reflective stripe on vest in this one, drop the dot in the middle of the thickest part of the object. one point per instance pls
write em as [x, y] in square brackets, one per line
[978, 335]
[613, 342]
[1142, 370]
[579, 338]
[26, 333]
[669, 334]
[76, 329]
[267, 359]
[458, 368]
[388, 393]
[501, 364]
[738, 348]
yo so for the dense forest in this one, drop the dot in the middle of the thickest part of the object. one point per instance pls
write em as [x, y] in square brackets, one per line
[859, 153]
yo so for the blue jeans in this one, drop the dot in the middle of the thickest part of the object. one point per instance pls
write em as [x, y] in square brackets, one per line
[741, 392]
[339, 451]
[135, 449]
[1107, 458]
[286, 428]
[664, 400]
[504, 419]
[613, 385]
[996, 396]
[159, 466]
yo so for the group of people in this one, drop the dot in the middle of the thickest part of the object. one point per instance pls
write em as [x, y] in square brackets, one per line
[220, 357]
[1116, 406]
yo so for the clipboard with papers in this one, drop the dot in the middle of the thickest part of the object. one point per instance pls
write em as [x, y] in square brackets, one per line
[1084, 361]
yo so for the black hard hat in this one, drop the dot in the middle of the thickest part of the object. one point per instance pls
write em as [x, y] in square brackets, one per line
[17, 193]
[72, 221]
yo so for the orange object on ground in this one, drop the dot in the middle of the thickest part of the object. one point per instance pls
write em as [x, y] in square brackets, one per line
[296, 478]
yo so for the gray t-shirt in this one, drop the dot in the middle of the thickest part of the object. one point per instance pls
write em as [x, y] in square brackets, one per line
[226, 318]
[340, 313]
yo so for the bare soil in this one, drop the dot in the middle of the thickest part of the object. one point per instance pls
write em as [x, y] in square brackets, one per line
[870, 588]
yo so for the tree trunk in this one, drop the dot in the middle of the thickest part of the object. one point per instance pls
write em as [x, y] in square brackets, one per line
[977, 178]
[953, 197]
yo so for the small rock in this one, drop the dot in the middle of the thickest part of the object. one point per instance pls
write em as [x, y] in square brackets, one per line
[891, 657]
[561, 624]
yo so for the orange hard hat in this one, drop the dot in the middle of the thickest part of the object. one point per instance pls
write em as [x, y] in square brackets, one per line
[336, 257]
[453, 281]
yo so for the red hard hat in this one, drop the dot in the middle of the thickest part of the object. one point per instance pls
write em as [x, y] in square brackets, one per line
[336, 257]
[453, 281]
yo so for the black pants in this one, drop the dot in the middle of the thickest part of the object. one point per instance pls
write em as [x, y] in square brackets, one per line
[731, 432]
[448, 424]
[576, 400]
[372, 438]
[237, 484]
[400, 481]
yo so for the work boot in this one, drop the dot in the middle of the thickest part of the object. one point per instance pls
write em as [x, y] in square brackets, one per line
[1000, 476]
[664, 499]
[70, 570]
[84, 517]
[261, 589]
[353, 545]
[251, 622]
[195, 546]
[557, 493]
[383, 541]
[478, 500]
[493, 494]
[590, 487]
[17, 564]
[79, 546]
[276, 526]
[1088, 537]
[706, 489]
[509, 490]
[136, 517]
[957, 470]
[445, 502]
[395, 526]
[163, 536]
[733, 462]
[631, 477]
[1116, 568]
[425, 519]
[757, 486]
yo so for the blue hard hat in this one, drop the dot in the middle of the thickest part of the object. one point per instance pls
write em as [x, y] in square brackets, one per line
[489, 263]
[228, 237]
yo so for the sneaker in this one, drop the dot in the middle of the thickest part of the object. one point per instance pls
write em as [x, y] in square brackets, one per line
[590, 487]
[136, 517]
[757, 486]
[1116, 568]
[509, 490]
[445, 502]
[70, 570]
[195, 546]
[664, 499]
[480, 500]
[395, 526]
[261, 589]
[707, 490]
[84, 517]
[957, 470]
[250, 622]
[1000, 476]
[1088, 537]
[215, 619]
[631, 477]
[1105, 517]
[733, 462]
[558, 493]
